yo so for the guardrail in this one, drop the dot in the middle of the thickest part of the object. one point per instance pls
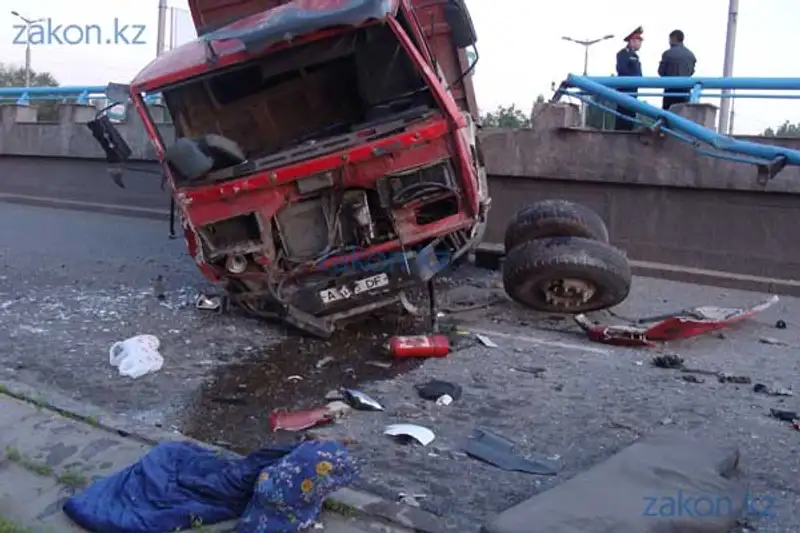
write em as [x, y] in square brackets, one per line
[696, 87]
[770, 159]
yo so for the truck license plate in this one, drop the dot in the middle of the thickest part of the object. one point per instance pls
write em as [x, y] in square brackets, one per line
[329, 296]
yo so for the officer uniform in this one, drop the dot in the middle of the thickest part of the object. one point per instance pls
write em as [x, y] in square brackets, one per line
[628, 64]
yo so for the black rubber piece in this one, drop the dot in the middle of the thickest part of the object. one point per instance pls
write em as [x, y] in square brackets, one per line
[532, 266]
[188, 158]
[554, 218]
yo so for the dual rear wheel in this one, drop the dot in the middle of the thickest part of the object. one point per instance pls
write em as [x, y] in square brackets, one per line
[559, 260]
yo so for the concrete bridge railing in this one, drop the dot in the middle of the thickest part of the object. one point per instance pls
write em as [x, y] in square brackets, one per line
[672, 210]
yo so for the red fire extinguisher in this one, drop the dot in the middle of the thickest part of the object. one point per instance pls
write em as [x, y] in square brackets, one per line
[419, 346]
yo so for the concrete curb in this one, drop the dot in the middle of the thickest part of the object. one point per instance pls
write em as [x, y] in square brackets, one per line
[391, 517]
[490, 255]
[109, 209]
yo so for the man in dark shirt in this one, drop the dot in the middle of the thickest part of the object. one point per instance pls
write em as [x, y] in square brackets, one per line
[677, 61]
[628, 65]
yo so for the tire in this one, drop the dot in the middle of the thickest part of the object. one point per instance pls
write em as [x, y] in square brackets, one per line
[554, 218]
[533, 267]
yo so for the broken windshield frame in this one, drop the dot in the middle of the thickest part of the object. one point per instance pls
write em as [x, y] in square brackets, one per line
[304, 94]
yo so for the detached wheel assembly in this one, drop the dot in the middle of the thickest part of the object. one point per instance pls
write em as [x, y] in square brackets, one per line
[566, 275]
[554, 218]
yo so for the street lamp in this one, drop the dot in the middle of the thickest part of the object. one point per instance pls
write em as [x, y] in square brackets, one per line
[28, 23]
[586, 44]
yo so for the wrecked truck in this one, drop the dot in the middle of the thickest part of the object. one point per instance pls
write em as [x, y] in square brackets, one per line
[326, 162]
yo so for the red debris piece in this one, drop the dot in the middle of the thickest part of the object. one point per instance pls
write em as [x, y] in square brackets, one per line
[681, 325]
[300, 420]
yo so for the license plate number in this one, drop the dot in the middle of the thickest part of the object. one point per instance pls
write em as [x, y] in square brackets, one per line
[329, 296]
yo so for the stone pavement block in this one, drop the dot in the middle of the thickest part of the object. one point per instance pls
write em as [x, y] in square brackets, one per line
[663, 483]
[45, 456]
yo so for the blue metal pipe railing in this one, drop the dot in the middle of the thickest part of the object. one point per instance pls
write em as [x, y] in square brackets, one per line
[81, 94]
[24, 94]
[755, 84]
[685, 129]
[695, 86]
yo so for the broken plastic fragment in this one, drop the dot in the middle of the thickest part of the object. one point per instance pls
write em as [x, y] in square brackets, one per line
[359, 400]
[420, 434]
[208, 303]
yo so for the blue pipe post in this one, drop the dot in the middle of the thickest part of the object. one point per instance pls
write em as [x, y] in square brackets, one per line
[720, 142]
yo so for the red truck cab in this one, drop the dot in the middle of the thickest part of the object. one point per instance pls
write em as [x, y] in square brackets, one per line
[326, 158]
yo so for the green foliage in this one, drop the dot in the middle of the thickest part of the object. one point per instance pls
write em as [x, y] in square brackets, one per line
[511, 117]
[787, 129]
[506, 117]
[12, 76]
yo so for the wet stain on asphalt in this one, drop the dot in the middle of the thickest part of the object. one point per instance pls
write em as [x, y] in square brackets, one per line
[232, 409]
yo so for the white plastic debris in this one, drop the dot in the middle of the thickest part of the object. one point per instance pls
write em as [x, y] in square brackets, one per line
[136, 356]
[444, 399]
[420, 434]
[486, 341]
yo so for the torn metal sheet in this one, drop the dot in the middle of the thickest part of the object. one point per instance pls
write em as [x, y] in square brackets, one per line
[498, 451]
[681, 325]
[358, 400]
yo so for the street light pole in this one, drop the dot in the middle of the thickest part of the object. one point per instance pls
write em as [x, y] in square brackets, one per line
[586, 43]
[162, 27]
[28, 23]
[727, 67]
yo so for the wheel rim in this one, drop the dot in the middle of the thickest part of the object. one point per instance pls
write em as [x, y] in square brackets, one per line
[568, 293]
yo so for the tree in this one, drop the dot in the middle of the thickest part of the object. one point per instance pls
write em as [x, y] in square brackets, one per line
[11, 76]
[506, 117]
[787, 129]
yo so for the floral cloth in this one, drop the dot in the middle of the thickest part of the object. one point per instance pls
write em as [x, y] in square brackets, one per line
[288, 495]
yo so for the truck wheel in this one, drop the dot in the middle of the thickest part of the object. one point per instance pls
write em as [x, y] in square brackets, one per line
[554, 218]
[566, 275]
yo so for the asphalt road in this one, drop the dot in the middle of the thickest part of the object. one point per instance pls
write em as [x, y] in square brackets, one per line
[72, 283]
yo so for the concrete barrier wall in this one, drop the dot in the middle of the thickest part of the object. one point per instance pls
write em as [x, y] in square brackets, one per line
[663, 202]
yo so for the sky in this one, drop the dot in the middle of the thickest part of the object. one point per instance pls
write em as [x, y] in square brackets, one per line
[520, 43]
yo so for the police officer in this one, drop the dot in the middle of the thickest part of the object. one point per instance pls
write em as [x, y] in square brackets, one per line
[628, 65]
[676, 61]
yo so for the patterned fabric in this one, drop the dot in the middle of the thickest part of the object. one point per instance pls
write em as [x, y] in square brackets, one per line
[288, 495]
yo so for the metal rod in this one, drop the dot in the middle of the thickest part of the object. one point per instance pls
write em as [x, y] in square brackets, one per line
[172, 217]
[684, 125]
[727, 67]
[28, 59]
[432, 305]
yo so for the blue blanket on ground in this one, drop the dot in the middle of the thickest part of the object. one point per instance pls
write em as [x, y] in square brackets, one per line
[176, 485]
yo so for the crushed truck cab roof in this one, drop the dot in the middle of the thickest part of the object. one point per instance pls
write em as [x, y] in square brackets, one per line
[257, 33]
